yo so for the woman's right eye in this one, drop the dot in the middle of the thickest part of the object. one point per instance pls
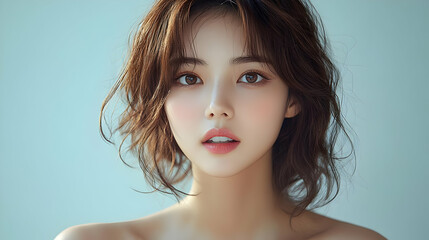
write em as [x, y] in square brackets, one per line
[188, 79]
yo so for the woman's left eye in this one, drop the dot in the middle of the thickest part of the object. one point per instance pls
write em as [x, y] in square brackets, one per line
[252, 78]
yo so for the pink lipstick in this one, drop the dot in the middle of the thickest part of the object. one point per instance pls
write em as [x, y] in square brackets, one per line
[221, 148]
[220, 141]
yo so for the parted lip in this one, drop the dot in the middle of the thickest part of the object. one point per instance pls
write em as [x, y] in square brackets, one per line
[219, 132]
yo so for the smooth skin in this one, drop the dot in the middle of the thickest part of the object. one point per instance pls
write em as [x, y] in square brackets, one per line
[236, 198]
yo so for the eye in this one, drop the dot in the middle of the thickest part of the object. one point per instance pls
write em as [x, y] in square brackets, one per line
[188, 79]
[253, 78]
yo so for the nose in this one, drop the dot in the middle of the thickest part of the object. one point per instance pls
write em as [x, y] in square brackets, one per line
[219, 106]
[215, 111]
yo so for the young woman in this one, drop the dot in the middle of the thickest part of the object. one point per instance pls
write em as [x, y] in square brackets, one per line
[240, 94]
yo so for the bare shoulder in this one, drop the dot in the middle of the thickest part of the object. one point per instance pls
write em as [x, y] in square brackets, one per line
[138, 229]
[105, 231]
[338, 230]
[350, 231]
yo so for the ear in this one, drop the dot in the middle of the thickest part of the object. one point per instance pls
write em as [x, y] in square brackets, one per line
[293, 109]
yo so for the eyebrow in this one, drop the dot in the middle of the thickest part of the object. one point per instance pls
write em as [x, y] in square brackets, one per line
[233, 61]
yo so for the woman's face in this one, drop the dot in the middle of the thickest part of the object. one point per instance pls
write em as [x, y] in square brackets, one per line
[219, 93]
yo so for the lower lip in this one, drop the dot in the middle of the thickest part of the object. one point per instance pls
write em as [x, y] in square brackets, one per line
[221, 148]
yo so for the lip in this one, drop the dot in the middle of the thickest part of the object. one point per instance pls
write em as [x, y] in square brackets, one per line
[221, 148]
[219, 132]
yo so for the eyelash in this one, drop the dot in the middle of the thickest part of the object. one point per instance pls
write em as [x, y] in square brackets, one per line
[261, 82]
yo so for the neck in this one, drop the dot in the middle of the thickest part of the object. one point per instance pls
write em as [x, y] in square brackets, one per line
[242, 204]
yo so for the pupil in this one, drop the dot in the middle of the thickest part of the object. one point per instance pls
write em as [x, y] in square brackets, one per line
[252, 78]
[190, 79]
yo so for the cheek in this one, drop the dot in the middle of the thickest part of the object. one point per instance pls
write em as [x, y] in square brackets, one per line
[265, 107]
[181, 111]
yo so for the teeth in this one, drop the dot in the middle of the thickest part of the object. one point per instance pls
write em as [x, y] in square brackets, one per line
[220, 139]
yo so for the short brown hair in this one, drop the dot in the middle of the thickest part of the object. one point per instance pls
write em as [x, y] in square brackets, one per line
[291, 36]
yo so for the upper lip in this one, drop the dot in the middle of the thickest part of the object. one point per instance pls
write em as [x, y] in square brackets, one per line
[219, 132]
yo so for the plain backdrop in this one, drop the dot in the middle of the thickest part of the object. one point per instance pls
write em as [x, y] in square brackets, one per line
[58, 60]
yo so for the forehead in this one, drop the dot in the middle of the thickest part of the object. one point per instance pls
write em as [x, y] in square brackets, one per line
[217, 39]
[210, 31]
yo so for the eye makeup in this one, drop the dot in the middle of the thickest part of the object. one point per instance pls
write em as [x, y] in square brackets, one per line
[180, 81]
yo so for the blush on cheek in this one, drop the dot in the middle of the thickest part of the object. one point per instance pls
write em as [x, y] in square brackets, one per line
[265, 109]
[182, 112]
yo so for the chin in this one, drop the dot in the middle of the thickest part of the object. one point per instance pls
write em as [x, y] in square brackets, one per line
[221, 166]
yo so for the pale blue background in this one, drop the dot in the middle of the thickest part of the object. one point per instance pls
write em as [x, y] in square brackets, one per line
[58, 59]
